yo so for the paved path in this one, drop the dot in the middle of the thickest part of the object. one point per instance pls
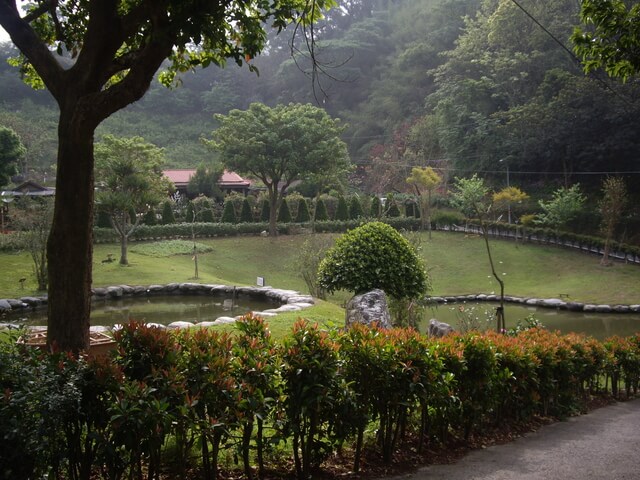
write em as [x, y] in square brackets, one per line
[604, 444]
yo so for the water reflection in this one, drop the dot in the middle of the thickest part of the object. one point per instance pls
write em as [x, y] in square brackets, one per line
[598, 325]
[160, 309]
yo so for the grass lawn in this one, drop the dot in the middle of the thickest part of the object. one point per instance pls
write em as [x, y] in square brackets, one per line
[457, 265]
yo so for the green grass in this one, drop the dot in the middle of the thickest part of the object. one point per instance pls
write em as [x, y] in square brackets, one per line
[457, 264]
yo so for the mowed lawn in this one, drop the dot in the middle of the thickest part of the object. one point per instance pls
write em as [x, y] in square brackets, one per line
[457, 264]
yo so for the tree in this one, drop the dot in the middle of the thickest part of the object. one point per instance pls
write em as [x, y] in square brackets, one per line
[279, 145]
[505, 198]
[372, 256]
[376, 207]
[246, 214]
[107, 73]
[284, 214]
[229, 213]
[320, 214]
[342, 210]
[167, 214]
[613, 41]
[205, 181]
[11, 150]
[302, 216]
[424, 180]
[562, 208]
[33, 218]
[612, 206]
[355, 208]
[131, 182]
[471, 196]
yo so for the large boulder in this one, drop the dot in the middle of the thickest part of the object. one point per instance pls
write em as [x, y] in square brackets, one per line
[369, 308]
[439, 329]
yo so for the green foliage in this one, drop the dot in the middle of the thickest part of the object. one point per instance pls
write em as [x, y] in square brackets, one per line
[246, 214]
[205, 181]
[376, 207]
[355, 208]
[301, 140]
[284, 214]
[203, 210]
[611, 41]
[11, 151]
[372, 256]
[311, 383]
[102, 219]
[167, 213]
[562, 208]
[149, 218]
[392, 209]
[228, 213]
[342, 210]
[159, 392]
[167, 248]
[321, 213]
[307, 261]
[302, 215]
[265, 211]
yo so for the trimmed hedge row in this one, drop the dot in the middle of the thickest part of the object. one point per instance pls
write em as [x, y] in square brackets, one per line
[196, 393]
[585, 243]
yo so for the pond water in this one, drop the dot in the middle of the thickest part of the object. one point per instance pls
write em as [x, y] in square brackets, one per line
[162, 309]
[598, 325]
[165, 309]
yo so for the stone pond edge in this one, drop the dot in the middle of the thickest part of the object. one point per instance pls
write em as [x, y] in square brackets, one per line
[292, 300]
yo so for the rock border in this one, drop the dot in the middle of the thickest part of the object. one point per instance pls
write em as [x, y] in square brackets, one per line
[556, 303]
[291, 300]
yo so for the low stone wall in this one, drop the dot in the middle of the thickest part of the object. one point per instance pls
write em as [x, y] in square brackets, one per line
[290, 300]
[541, 302]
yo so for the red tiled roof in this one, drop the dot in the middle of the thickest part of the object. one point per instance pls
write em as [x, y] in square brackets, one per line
[181, 177]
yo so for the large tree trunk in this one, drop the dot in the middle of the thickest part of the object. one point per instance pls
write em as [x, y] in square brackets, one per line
[70, 243]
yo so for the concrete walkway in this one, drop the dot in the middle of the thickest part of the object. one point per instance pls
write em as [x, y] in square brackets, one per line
[604, 444]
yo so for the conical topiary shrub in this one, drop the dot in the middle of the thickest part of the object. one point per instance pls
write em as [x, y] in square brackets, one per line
[206, 214]
[303, 212]
[103, 220]
[246, 215]
[355, 208]
[342, 211]
[284, 214]
[321, 212]
[264, 212]
[229, 213]
[150, 217]
[167, 214]
[376, 207]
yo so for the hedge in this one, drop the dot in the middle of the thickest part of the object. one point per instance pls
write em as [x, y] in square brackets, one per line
[174, 399]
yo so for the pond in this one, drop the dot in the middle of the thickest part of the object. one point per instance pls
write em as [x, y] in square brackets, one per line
[598, 325]
[162, 309]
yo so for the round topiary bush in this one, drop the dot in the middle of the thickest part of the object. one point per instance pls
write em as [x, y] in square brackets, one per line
[372, 256]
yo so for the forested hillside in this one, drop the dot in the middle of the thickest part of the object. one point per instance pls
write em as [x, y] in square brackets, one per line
[464, 85]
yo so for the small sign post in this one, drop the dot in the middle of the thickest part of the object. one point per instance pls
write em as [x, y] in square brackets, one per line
[260, 281]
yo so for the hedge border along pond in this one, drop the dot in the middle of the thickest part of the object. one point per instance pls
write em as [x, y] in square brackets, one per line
[168, 401]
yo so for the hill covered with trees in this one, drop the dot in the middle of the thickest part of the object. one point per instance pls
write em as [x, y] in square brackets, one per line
[486, 86]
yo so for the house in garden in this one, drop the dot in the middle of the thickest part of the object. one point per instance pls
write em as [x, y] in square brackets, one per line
[229, 181]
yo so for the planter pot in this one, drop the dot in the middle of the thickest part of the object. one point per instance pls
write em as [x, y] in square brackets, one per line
[101, 343]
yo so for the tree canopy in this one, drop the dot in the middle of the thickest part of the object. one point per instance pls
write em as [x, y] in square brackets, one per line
[11, 151]
[279, 146]
[374, 255]
[130, 179]
[611, 39]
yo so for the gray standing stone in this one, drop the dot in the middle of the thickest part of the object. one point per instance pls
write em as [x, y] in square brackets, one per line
[439, 329]
[368, 308]
[4, 305]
